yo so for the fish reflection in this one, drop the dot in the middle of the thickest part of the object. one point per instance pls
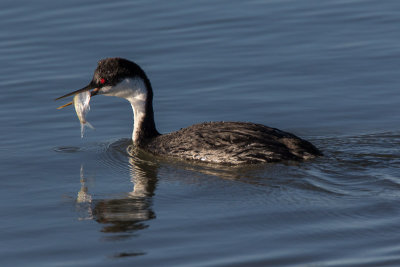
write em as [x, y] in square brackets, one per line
[84, 199]
[127, 214]
[83, 194]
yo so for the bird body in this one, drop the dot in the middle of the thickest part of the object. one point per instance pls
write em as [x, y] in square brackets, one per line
[231, 143]
[215, 142]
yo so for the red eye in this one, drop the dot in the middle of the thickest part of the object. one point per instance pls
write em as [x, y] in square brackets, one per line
[102, 80]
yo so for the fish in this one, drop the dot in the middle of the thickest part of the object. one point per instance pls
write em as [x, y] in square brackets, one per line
[81, 104]
[82, 107]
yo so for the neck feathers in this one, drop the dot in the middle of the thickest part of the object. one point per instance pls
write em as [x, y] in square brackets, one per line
[139, 93]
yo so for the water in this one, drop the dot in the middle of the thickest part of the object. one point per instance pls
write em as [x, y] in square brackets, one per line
[324, 70]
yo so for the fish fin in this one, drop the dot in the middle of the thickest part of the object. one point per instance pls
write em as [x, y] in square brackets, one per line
[66, 105]
[90, 126]
[83, 125]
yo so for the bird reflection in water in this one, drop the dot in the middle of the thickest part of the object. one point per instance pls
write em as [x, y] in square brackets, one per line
[127, 214]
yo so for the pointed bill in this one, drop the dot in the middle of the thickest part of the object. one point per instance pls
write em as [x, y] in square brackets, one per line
[86, 88]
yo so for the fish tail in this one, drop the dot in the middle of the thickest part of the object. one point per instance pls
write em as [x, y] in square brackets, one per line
[83, 126]
[90, 126]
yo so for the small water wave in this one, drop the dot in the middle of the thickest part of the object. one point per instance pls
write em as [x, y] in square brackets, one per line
[359, 165]
[67, 149]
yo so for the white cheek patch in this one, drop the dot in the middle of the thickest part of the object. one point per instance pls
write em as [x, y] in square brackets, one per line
[105, 90]
[128, 88]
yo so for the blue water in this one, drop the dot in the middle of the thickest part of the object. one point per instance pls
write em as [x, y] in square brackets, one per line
[327, 71]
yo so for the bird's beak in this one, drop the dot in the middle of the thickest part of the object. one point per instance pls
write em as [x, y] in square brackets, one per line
[86, 88]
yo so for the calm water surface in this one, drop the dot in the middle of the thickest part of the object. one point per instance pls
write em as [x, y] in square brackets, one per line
[327, 71]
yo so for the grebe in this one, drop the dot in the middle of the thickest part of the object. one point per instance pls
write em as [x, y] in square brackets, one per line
[214, 142]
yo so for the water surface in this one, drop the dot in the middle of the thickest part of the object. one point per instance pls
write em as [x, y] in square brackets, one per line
[324, 70]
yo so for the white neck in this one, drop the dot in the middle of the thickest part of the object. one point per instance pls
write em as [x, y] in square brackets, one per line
[138, 107]
[134, 90]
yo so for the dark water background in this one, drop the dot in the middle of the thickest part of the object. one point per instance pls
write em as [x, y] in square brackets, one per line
[326, 70]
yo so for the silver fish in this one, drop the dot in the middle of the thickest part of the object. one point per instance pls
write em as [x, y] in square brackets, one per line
[81, 104]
